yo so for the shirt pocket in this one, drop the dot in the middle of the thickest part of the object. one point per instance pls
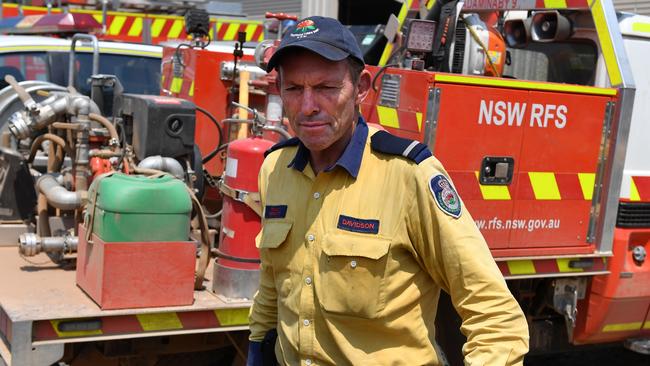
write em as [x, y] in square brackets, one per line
[351, 276]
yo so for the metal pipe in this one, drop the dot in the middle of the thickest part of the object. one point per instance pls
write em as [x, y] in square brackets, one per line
[31, 244]
[58, 196]
[95, 43]
[279, 130]
[50, 137]
[115, 138]
[165, 164]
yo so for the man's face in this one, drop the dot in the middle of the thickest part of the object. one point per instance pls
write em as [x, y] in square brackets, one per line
[319, 100]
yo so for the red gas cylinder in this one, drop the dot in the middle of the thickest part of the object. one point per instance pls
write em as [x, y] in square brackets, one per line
[236, 270]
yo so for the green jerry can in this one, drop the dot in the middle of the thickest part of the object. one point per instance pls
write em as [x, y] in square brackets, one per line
[135, 208]
[141, 254]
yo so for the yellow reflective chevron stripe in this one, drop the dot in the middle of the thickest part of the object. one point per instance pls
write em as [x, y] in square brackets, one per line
[228, 317]
[116, 25]
[555, 4]
[598, 13]
[587, 181]
[159, 321]
[418, 116]
[544, 186]
[621, 327]
[563, 265]
[388, 116]
[521, 267]
[191, 93]
[250, 31]
[136, 27]
[493, 192]
[231, 32]
[177, 84]
[176, 29]
[76, 333]
[157, 27]
[634, 192]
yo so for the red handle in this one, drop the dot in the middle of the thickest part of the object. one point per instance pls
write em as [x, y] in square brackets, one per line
[281, 16]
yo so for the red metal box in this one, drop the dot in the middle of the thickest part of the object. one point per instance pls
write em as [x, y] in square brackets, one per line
[121, 275]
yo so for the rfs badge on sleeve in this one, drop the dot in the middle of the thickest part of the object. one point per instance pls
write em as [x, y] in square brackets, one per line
[445, 196]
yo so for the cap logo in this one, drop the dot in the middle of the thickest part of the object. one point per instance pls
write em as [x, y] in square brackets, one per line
[305, 28]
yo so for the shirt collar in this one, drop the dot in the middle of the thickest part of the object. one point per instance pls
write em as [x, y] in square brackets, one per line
[350, 160]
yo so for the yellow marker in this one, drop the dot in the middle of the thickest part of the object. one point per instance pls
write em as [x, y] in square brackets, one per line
[388, 116]
[159, 321]
[544, 186]
[598, 13]
[77, 333]
[192, 89]
[176, 29]
[231, 33]
[641, 27]
[157, 27]
[177, 84]
[563, 265]
[634, 192]
[116, 25]
[523, 267]
[555, 4]
[250, 32]
[228, 317]
[493, 192]
[621, 327]
[136, 27]
[587, 184]
[418, 115]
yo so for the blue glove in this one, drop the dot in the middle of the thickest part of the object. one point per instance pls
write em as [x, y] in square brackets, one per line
[254, 354]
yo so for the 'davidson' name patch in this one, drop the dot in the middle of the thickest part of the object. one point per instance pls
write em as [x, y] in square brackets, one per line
[445, 196]
[275, 212]
[358, 225]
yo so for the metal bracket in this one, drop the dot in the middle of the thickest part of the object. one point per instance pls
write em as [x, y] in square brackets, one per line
[431, 122]
[566, 294]
[594, 213]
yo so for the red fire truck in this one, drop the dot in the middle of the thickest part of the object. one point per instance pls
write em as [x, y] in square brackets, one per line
[538, 118]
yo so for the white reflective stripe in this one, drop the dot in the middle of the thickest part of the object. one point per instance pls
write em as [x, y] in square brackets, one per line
[409, 148]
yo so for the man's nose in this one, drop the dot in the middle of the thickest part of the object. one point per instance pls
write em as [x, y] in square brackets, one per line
[309, 102]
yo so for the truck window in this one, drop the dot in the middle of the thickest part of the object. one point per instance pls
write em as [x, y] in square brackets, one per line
[139, 75]
[25, 66]
[564, 62]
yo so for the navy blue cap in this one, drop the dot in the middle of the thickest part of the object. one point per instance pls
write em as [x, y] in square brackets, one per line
[324, 36]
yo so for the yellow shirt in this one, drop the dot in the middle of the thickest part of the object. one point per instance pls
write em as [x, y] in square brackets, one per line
[352, 267]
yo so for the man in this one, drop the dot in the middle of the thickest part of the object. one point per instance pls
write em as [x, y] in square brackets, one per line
[362, 229]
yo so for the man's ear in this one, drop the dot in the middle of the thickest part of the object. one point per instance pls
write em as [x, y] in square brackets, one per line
[363, 86]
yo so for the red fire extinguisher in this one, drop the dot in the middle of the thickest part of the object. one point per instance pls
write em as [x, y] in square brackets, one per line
[236, 270]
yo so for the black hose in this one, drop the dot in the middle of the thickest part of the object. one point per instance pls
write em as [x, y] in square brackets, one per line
[381, 71]
[214, 152]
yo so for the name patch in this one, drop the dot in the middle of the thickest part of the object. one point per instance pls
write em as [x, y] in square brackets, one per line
[275, 212]
[358, 225]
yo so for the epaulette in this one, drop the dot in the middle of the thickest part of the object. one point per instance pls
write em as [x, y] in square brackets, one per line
[290, 142]
[384, 142]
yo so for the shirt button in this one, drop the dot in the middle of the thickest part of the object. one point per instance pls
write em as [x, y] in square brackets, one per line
[310, 237]
[306, 322]
[353, 264]
[308, 362]
[308, 280]
[316, 195]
